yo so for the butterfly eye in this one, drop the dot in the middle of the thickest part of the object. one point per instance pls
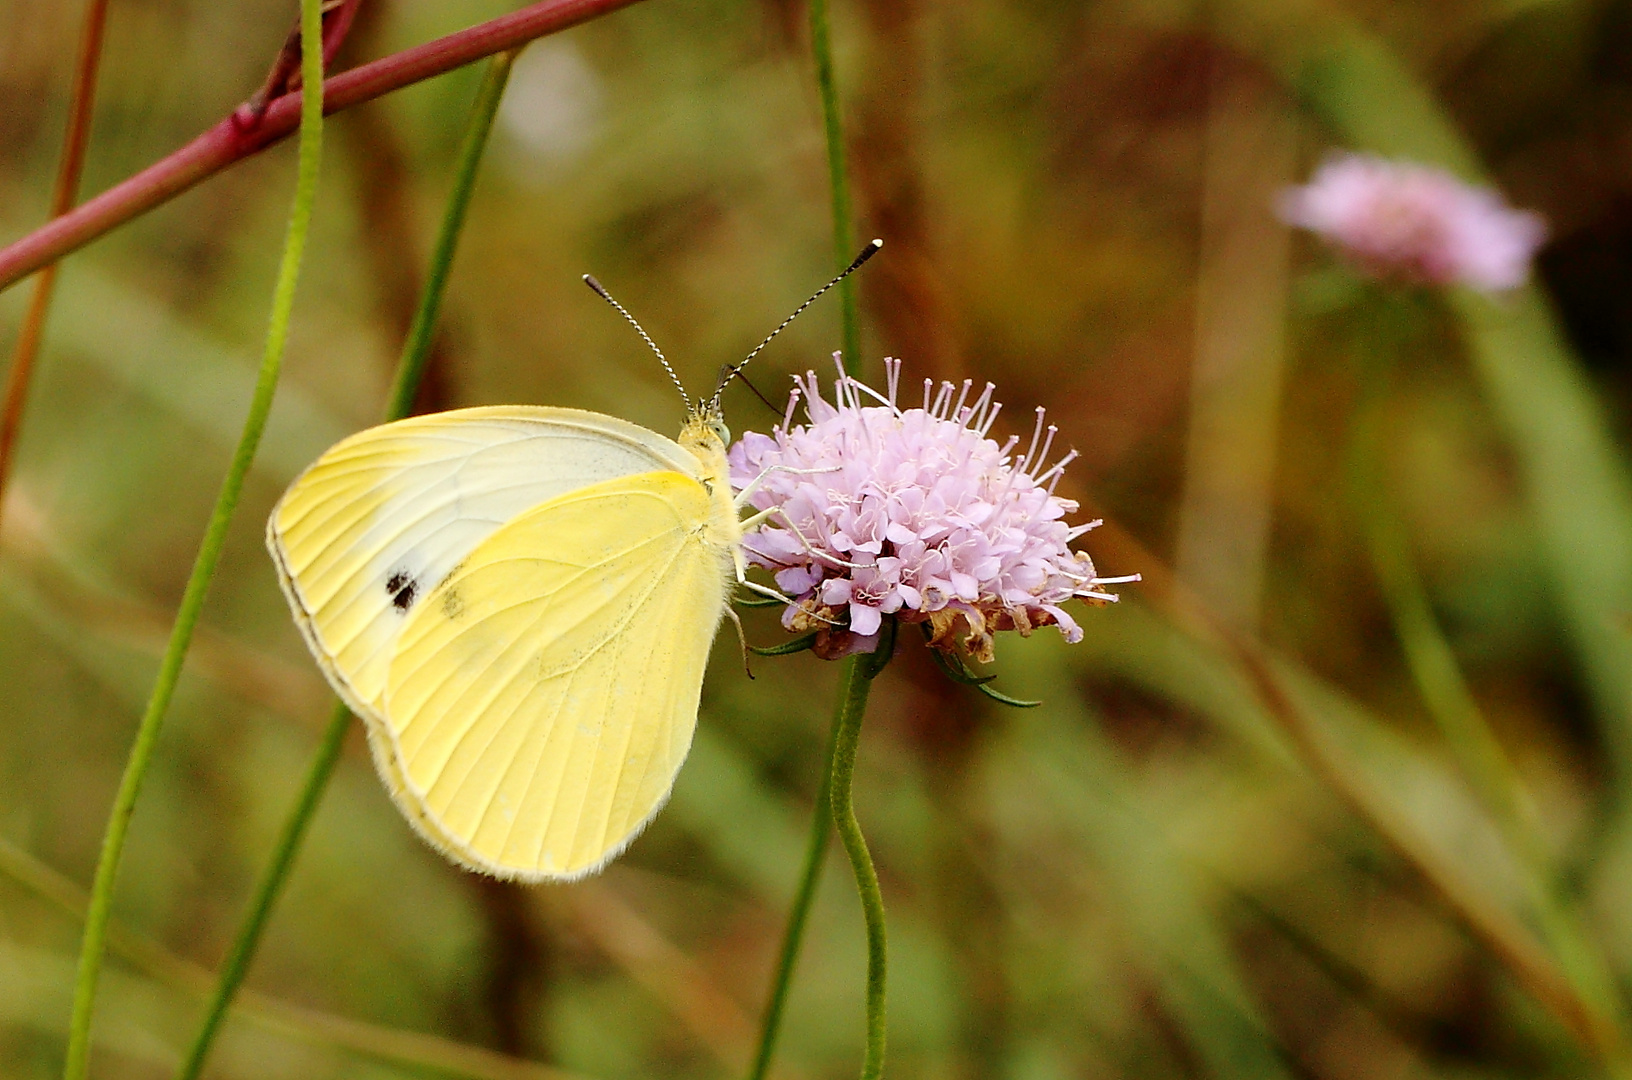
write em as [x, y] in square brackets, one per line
[717, 426]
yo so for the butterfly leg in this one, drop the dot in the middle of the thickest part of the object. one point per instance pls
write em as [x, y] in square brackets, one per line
[754, 586]
[757, 482]
[742, 639]
[741, 565]
[756, 520]
[765, 590]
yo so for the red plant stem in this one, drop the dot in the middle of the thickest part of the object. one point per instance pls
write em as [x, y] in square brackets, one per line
[62, 201]
[336, 29]
[240, 136]
[338, 16]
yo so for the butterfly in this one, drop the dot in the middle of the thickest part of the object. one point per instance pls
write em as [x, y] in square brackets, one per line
[519, 602]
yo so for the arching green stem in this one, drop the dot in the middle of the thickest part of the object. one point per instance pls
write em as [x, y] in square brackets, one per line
[77, 1061]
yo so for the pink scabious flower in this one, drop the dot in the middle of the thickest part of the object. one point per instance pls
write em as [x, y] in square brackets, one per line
[1405, 220]
[874, 510]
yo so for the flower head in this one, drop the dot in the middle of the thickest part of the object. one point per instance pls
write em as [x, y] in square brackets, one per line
[874, 510]
[1401, 219]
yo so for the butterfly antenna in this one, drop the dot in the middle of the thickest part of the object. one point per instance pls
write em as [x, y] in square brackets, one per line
[733, 371]
[736, 369]
[600, 290]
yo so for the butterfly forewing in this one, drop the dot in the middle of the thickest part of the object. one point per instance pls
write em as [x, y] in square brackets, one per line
[371, 528]
[544, 695]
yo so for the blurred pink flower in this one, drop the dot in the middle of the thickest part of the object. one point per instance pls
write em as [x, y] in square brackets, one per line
[1401, 219]
[916, 513]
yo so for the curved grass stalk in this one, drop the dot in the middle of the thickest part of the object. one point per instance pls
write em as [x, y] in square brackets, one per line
[1507, 939]
[1481, 759]
[72, 164]
[410, 370]
[77, 1061]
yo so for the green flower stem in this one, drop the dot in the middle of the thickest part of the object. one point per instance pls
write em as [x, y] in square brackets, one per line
[410, 370]
[821, 46]
[859, 673]
[77, 1060]
[821, 826]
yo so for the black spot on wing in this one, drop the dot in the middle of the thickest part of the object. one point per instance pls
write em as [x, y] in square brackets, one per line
[453, 604]
[402, 588]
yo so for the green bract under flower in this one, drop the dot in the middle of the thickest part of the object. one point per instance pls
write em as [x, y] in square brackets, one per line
[878, 510]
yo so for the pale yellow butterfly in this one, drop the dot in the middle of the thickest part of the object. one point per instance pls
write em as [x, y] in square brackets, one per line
[519, 602]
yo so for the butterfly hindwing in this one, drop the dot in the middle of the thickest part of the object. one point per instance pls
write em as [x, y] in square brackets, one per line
[369, 530]
[543, 696]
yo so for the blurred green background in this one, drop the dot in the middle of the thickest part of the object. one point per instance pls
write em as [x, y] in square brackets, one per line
[1257, 829]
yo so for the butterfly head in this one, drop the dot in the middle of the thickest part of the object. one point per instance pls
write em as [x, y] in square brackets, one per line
[706, 436]
[705, 433]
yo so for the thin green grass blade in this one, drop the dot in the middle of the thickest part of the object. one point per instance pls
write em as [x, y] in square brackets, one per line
[821, 45]
[1467, 734]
